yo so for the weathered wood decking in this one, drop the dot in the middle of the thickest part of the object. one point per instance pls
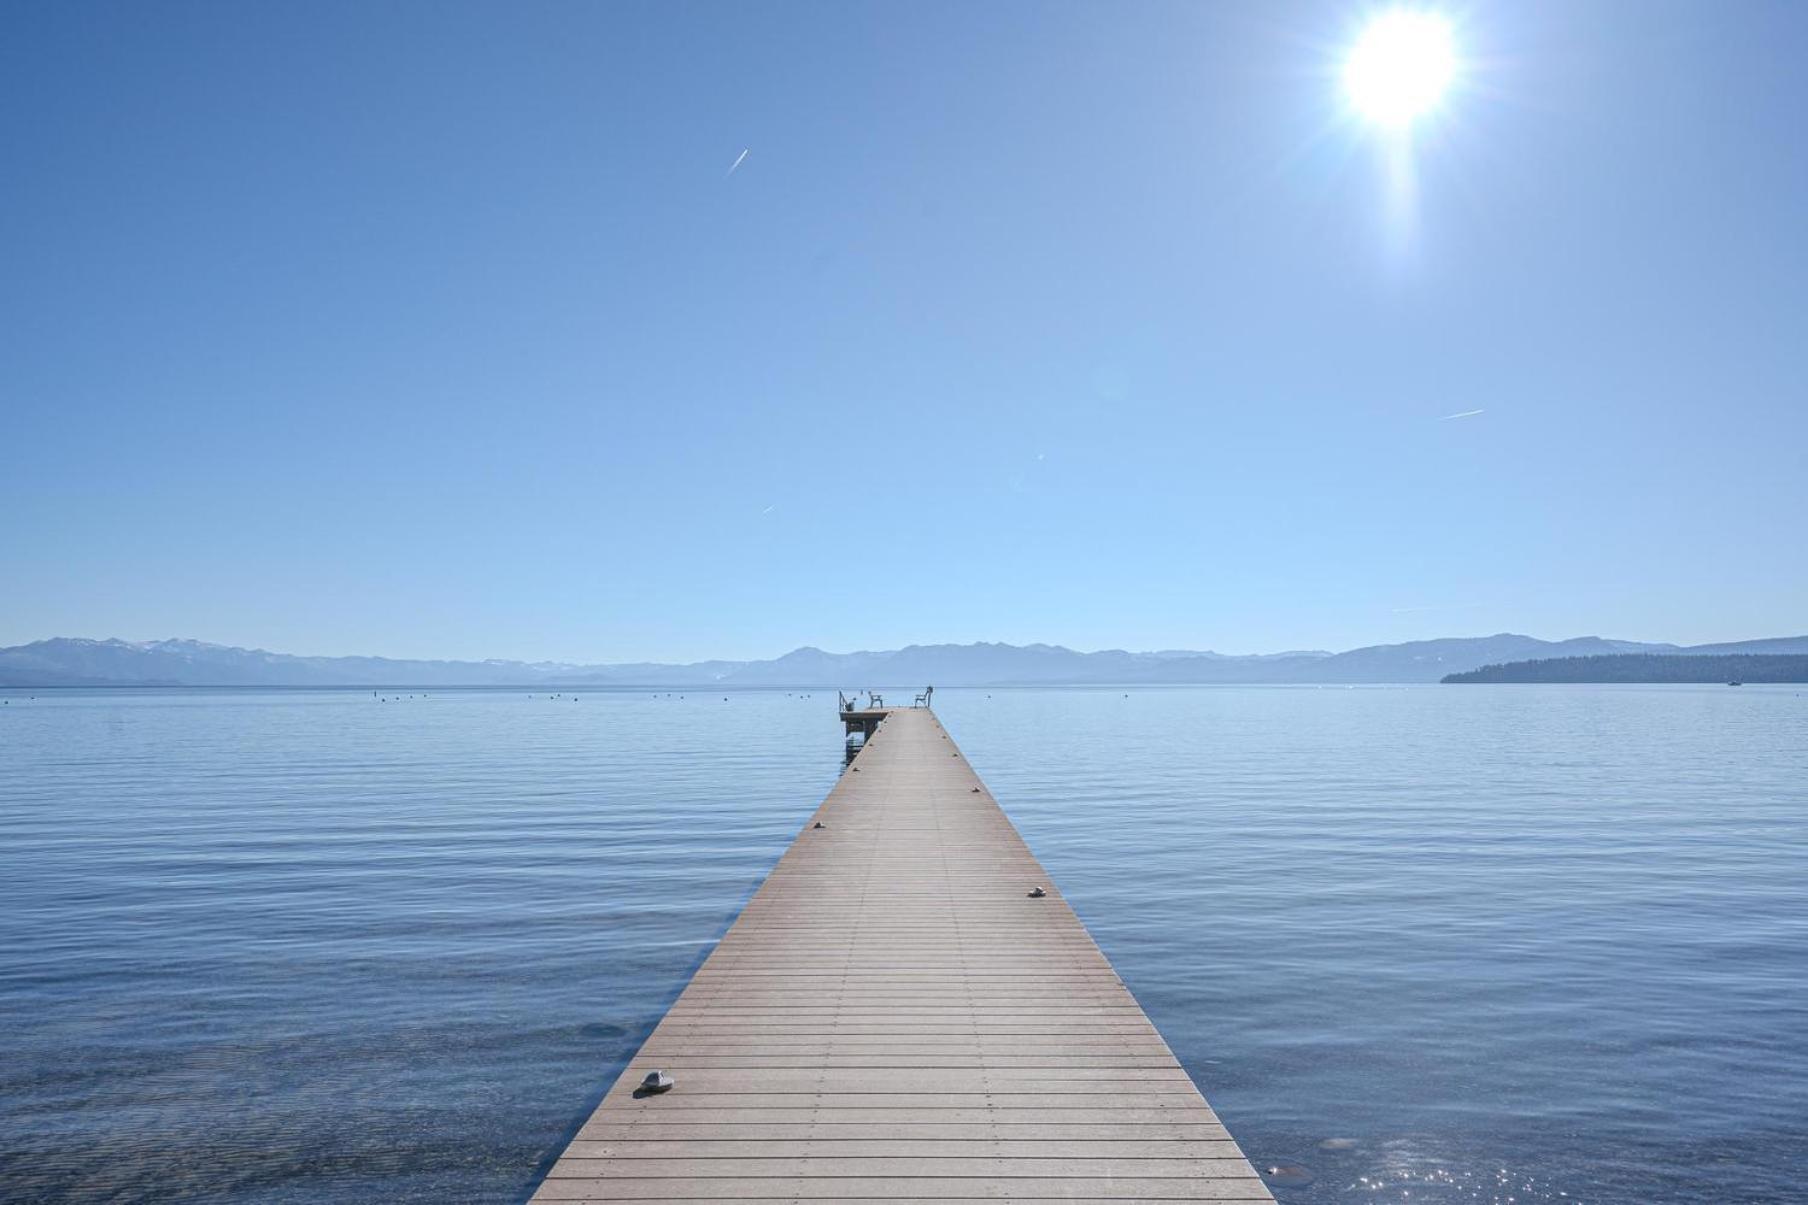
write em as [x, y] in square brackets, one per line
[893, 1018]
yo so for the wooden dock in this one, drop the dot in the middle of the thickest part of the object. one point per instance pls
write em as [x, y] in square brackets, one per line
[894, 1018]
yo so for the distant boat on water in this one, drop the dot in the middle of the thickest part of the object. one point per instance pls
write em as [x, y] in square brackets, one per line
[1735, 683]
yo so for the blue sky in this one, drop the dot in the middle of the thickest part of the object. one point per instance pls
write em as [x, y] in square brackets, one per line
[445, 330]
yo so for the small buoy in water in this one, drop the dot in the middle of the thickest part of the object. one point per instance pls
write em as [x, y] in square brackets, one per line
[657, 1081]
[1037, 893]
[819, 824]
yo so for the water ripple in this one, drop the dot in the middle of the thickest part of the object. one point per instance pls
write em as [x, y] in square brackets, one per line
[1487, 944]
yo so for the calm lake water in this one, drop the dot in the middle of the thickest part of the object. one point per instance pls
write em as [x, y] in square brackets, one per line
[1500, 944]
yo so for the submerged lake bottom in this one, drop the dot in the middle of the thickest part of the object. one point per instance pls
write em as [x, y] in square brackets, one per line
[1497, 944]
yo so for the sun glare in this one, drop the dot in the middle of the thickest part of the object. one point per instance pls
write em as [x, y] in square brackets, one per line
[1401, 66]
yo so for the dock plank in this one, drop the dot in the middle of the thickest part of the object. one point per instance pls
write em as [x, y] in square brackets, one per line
[892, 1018]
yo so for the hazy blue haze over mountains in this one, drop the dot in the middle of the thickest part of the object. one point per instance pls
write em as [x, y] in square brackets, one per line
[81, 662]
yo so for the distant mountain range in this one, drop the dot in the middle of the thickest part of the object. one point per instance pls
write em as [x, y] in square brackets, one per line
[68, 661]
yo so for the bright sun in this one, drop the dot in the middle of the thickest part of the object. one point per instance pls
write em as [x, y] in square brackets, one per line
[1400, 67]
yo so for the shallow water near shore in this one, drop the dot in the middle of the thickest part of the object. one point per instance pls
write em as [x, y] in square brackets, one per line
[1500, 944]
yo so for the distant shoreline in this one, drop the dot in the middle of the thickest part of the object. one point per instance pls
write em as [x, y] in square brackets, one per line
[391, 690]
[1650, 668]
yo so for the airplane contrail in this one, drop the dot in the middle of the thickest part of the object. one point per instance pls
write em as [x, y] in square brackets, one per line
[768, 510]
[1464, 414]
[737, 162]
